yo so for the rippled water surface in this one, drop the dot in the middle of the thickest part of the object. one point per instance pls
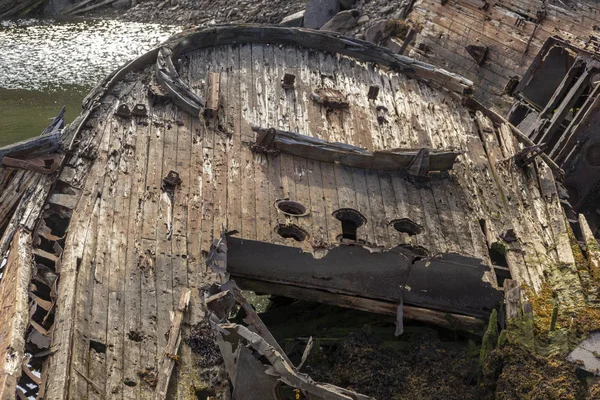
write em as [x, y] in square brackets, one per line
[47, 64]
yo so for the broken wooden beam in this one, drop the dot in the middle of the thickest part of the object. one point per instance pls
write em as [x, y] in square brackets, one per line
[352, 156]
[238, 335]
[169, 357]
[169, 80]
[446, 320]
[46, 164]
[33, 147]
[520, 136]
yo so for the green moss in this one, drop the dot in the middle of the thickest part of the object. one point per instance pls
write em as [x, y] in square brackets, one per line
[581, 261]
[593, 247]
[502, 339]
[490, 338]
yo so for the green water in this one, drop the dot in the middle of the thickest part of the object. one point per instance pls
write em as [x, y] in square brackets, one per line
[45, 64]
[25, 113]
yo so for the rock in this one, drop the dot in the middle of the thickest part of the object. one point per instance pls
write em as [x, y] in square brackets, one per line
[363, 20]
[587, 354]
[319, 12]
[347, 4]
[383, 30]
[342, 22]
[377, 33]
[386, 10]
[122, 4]
[293, 20]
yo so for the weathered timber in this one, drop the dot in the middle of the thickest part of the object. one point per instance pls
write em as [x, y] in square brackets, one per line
[46, 164]
[14, 318]
[213, 93]
[448, 320]
[281, 367]
[169, 357]
[520, 136]
[352, 156]
[168, 77]
[436, 283]
[322, 41]
[37, 146]
[113, 305]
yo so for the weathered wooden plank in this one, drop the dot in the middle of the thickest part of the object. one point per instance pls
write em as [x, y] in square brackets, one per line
[83, 308]
[167, 360]
[36, 146]
[359, 303]
[219, 165]
[14, 319]
[277, 113]
[132, 332]
[233, 111]
[248, 194]
[66, 333]
[263, 65]
[164, 243]
[106, 248]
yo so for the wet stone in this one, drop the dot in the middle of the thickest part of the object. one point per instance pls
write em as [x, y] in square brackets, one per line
[343, 21]
[318, 12]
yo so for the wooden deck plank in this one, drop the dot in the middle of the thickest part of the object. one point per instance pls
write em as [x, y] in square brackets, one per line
[164, 243]
[104, 261]
[248, 194]
[86, 215]
[263, 66]
[219, 125]
[233, 109]
[148, 249]
[278, 116]
[419, 196]
[132, 331]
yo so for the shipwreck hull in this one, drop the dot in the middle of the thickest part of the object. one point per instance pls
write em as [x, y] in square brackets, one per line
[167, 156]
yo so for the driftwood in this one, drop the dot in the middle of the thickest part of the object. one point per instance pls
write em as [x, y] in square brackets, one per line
[352, 156]
[170, 355]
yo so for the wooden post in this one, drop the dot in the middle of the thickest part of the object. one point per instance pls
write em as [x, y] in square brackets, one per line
[212, 95]
[169, 357]
[512, 296]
